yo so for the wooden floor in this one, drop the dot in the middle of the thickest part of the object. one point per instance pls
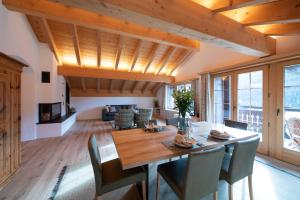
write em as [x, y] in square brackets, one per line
[43, 159]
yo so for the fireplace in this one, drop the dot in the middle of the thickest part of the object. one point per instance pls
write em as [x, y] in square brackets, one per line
[49, 112]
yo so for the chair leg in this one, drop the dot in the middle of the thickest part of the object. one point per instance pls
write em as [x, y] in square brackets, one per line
[230, 192]
[144, 189]
[216, 195]
[250, 187]
[157, 187]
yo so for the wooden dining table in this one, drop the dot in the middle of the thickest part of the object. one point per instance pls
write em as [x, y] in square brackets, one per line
[137, 147]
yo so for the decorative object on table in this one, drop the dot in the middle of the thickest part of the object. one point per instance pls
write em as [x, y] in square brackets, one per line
[184, 141]
[152, 128]
[221, 135]
[183, 100]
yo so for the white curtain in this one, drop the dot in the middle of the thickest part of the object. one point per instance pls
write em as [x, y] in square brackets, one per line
[204, 98]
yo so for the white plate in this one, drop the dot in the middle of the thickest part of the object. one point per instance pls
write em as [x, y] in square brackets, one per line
[187, 146]
[220, 137]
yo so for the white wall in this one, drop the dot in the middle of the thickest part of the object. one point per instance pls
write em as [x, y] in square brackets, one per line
[209, 57]
[18, 40]
[91, 107]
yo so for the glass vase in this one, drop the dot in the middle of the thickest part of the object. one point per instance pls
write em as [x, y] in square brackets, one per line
[183, 125]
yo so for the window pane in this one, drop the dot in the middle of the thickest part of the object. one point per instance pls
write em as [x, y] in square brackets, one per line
[222, 98]
[250, 100]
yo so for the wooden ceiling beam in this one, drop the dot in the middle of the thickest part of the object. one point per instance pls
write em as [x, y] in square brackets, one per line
[144, 88]
[105, 93]
[279, 29]
[172, 18]
[111, 85]
[135, 55]
[134, 86]
[83, 17]
[284, 11]
[165, 59]
[76, 44]
[235, 4]
[151, 56]
[186, 55]
[119, 51]
[123, 86]
[154, 86]
[51, 40]
[83, 86]
[89, 72]
[99, 46]
[98, 85]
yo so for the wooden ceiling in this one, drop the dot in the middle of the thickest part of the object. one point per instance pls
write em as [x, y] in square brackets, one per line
[124, 41]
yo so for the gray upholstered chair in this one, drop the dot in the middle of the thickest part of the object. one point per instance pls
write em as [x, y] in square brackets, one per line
[124, 119]
[240, 164]
[143, 116]
[193, 177]
[172, 121]
[234, 124]
[109, 175]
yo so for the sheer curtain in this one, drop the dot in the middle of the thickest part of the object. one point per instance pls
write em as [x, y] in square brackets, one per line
[204, 98]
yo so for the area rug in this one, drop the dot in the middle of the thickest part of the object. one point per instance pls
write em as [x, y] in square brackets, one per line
[76, 182]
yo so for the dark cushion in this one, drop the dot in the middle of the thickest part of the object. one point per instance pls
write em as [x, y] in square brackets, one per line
[174, 172]
[113, 177]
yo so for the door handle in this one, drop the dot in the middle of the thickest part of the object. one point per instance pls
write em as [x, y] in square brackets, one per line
[278, 111]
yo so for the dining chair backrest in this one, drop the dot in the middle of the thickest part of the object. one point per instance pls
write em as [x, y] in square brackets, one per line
[172, 121]
[202, 173]
[241, 163]
[235, 124]
[96, 161]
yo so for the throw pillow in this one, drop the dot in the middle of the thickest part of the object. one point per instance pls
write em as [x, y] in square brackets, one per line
[112, 109]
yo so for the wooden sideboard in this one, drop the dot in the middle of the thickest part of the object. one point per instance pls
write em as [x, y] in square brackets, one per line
[10, 116]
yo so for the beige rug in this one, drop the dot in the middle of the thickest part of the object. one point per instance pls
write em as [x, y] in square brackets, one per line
[78, 184]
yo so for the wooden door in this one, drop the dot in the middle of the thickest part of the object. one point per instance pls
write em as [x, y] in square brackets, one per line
[5, 134]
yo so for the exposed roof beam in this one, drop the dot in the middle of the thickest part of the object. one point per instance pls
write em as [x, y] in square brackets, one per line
[279, 29]
[106, 93]
[123, 86]
[165, 59]
[99, 44]
[285, 11]
[151, 56]
[182, 18]
[135, 55]
[134, 86]
[98, 85]
[51, 40]
[235, 4]
[76, 44]
[119, 51]
[68, 14]
[111, 84]
[83, 86]
[145, 87]
[181, 60]
[90, 72]
[154, 86]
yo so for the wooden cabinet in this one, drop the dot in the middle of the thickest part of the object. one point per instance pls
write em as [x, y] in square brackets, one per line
[10, 116]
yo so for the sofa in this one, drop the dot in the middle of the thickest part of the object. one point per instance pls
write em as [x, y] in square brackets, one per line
[109, 111]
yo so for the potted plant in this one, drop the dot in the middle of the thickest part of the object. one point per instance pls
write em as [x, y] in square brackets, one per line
[155, 103]
[183, 100]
